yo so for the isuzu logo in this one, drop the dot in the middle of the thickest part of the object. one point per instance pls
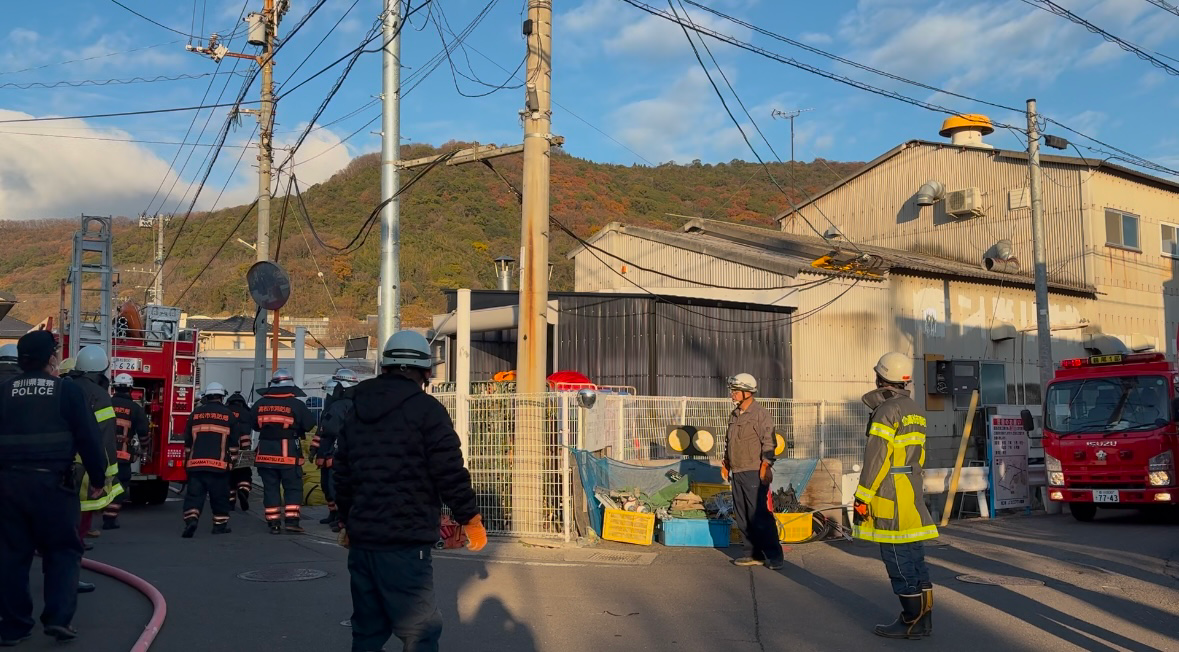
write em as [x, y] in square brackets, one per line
[1101, 455]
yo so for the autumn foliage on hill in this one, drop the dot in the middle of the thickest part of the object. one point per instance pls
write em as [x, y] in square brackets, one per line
[454, 222]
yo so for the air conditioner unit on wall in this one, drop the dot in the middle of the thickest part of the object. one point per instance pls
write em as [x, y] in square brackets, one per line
[964, 203]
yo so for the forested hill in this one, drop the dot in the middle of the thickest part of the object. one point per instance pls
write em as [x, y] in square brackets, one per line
[455, 221]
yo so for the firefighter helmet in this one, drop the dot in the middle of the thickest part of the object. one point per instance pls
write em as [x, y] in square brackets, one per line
[8, 353]
[92, 359]
[282, 378]
[123, 380]
[214, 389]
[896, 368]
[346, 377]
[743, 383]
[329, 386]
[407, 349]
[66, 366]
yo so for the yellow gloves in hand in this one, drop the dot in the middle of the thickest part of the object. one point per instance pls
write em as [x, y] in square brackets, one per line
[476, 533]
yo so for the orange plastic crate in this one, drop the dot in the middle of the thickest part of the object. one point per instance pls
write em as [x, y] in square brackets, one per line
[628, 527]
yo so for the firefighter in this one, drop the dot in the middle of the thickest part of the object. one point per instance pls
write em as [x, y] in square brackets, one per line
[890, 501]
[282, 422]
[45, 421]
[89, 371]
[398, 461]
[210, 450]
[241, 479]
[336, 414]
[9, 368]
[747, 466]
[131, 439]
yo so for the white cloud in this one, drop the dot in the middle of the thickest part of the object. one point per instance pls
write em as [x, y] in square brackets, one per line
[594, 23]
[319, 157]
[1087, 122]
[101, 54]
[816, 38]
[57, 177]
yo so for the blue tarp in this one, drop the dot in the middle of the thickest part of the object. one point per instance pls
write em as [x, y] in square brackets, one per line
[609, 474]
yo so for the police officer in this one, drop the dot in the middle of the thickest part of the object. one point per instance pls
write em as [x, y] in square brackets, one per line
[131, 439]
[890, 501]
[282, 422]
[210, 450]
[397, 461]
[241, 478]
[45, 422]
[9, 369]
[89, 373]
[747, 465]
[336, 413]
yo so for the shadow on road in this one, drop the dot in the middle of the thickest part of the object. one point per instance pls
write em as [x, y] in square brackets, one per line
[497, 626]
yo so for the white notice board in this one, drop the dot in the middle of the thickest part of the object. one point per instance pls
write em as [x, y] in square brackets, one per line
[1008, 452]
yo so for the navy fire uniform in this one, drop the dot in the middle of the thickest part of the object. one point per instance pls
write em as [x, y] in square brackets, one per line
[210, 450]
[282, 421]
[241, 479]
[131, 439]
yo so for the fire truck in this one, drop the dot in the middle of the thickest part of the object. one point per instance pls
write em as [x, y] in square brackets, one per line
[160, 357]
[1110, 436]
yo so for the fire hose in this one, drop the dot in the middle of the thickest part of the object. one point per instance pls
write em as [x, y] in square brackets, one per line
[159, 606]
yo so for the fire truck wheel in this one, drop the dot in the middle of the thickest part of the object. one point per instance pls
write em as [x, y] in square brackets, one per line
[1083, 512]
[149, 492]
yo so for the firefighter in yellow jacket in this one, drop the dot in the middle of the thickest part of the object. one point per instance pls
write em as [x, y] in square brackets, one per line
[890, 502]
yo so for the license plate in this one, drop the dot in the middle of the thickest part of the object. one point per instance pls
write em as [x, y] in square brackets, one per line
[126, 364]
[1106, 496]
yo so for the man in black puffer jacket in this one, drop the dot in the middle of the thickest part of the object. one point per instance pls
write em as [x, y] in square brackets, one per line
[397, 460]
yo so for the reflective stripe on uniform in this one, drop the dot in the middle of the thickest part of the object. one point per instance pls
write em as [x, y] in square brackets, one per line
[911, 439]
[205, 463]
[105, 414]
[97, 504]
[880, 430]
[864, 494]
[869, 533]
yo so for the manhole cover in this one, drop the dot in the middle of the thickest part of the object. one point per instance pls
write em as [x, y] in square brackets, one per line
[999, 580]
[282, 575]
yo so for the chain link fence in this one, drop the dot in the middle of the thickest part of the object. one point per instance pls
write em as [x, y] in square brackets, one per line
[517, 448]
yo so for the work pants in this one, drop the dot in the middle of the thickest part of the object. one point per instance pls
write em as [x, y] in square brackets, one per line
[753, 517]
[213, 484]
[38, 513]
[393, 595]
[905, 564]
[328, 486]
[282, 493]
[124, 477]
[240, 480]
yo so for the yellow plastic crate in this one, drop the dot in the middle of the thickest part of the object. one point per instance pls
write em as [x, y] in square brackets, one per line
[628, 527]
[794, 527]
[707, 490]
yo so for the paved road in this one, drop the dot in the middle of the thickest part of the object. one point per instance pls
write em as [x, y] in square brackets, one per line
[1108, 585]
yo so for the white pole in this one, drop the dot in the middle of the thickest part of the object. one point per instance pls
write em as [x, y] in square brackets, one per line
[389, 296]
[462, 371]
[300, 348]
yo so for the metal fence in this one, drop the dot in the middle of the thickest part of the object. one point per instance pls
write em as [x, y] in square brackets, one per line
[517, 445]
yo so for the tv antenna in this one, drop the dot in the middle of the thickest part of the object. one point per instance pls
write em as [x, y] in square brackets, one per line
[791, 115]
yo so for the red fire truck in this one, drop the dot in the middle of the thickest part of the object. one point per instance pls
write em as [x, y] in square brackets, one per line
[1110, 437]
[161, 358]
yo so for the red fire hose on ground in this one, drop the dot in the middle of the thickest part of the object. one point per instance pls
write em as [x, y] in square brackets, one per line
[159, 606]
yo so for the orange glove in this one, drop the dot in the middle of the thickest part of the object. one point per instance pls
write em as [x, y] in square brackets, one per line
[476, 533]
[766, 473]
[724, 472]
[860, 512]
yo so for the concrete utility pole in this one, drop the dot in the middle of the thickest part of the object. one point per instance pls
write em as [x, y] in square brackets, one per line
[389, 297]
[532, 344]
[157, 291]
[1043, 325]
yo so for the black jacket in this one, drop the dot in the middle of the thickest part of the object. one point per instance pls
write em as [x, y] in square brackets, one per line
[397, 460]
[95, 386]
[211, 438]
[245, 420]
[335, 415]
[281, 421]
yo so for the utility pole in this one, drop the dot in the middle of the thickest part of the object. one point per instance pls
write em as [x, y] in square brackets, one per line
[1043, 325]
[791, 115]
[157, 291]
[389, 297]
[532, 344]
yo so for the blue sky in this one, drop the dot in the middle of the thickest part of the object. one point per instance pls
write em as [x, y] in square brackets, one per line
[627, 76]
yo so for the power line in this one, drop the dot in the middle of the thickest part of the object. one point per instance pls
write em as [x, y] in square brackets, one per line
[218, 252]
[1052, 7]
[455, 73]
[121, 114]
[321, 42]
[119, 140]
[153, 22]
[111, 82]
[97, 56]
[1165, 6]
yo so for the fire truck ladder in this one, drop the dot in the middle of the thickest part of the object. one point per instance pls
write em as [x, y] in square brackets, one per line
[91, 275]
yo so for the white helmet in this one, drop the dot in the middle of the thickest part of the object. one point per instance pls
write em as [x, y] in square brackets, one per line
[282, 378]
[92, 358]
[407, 349]
[743, 383]
[329, 386]
[895, 368]
[346, 377]
[214, 389]
[124, 380]
[8, 353]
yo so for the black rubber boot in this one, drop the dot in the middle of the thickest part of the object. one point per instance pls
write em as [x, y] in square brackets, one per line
[221, 528]
[243, 500]
[906, 623]
[110, 522]
[925, 623]
[275, 528]
[190, 528]
[293, 526]
[332, 517]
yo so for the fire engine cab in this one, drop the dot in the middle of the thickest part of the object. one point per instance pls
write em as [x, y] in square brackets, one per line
[1110, 437]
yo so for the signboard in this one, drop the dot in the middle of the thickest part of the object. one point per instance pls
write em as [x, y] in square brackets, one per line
[1008, 453]
[126, 364]
[356, 347]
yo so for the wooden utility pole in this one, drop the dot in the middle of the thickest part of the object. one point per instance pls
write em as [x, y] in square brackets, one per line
[1043, 324]
[532, 344]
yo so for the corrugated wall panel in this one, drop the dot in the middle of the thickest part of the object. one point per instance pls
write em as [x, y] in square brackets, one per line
[592, 274]
[607, 339]
[879, 208]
